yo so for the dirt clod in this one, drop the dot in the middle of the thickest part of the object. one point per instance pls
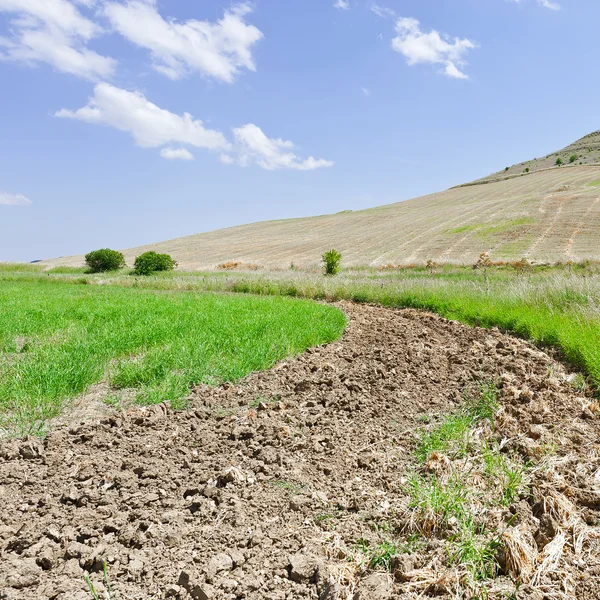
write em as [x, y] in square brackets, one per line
[265, 488]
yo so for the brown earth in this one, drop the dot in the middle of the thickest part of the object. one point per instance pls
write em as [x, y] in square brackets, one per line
[260, 489]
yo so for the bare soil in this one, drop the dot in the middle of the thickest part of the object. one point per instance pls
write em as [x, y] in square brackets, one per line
[256, 489]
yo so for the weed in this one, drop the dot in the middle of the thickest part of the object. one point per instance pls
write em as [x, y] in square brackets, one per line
[435, 503]
[91, 587]
[474, 552]
[331, 262]
[291, 487]
[452, 435]
[579, 382]
[381, 556]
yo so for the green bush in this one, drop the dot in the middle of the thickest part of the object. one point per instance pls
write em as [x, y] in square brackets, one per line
[331, 262]
[104, 259]
[151, 262]
[573, 158]
[558, 161]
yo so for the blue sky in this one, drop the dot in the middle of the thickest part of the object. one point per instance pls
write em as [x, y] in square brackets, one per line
[127, 122]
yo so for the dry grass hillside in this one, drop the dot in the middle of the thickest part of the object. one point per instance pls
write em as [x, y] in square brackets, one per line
[551, 213]
[585, 151]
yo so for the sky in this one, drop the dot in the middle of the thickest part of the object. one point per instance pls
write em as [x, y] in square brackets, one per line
[126, 122]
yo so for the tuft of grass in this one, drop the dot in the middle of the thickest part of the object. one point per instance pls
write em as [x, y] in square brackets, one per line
[92, 589]
[452, 435]
[474, 552]
[435, 503]
[382, 554]
[291, 487]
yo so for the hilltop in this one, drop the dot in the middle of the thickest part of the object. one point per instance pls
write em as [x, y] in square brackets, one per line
[585, 151]
[549, 213]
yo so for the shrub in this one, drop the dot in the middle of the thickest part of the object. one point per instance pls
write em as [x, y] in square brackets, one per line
[573, 158]
[151, 262]
[527, 170]
[104, 259]
[331, 262]
[558, 161]
[506, 168]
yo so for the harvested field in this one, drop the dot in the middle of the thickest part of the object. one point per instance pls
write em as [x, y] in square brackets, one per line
[296, 483]
[549, 215]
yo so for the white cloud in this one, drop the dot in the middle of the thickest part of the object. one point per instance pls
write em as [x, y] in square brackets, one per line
[154, 127]
[366, 91]
[7, 199]
[150, 126]
[548, 4]
[176, 154]
[342, 4]
[254, 147]
[433, 47]
[216, 49]
[381, 11]
[56, 33]
[545, 3]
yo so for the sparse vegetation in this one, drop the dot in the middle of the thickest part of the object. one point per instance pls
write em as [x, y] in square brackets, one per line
[573, 158]
[92, 587]
[105, 259]
[331, 262]
[463, 478]
[559, 161]
[152, 262]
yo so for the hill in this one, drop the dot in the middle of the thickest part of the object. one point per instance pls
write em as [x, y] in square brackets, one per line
[551, 213]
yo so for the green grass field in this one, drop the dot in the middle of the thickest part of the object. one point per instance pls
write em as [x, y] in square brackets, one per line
[61, 331]
[59, 336]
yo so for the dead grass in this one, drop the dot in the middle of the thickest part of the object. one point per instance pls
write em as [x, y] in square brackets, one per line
[521, 217]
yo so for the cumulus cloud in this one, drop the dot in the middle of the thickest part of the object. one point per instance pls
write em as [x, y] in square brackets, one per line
[342, 4]
[216, 49]
[418, 47]
[149, 125]
[176, 154]
[7, 199]
[56, 33]
[154, 127]
[252, 146]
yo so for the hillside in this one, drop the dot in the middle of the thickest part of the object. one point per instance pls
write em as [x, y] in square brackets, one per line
[548, 214]
[585, 151]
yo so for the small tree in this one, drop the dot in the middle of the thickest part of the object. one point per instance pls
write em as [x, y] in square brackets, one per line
[573, 158]
[104, 259]
[151, 262]
[558, 161]
[331, 262]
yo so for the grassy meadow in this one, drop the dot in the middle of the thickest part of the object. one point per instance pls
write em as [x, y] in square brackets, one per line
[62, 330]
[59, 336]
